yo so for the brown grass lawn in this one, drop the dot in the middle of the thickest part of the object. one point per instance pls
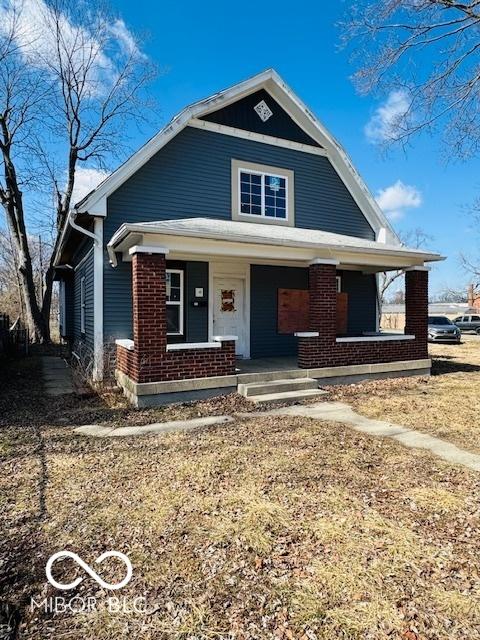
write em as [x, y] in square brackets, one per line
[446, 405]
[263, 528]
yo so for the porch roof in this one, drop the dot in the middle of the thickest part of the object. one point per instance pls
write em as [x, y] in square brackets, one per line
[244, 238]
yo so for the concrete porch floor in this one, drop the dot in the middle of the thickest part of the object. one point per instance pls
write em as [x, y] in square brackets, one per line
[259, 365]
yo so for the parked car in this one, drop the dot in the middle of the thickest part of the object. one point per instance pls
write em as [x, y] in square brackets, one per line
[468, 323]
[441, 329]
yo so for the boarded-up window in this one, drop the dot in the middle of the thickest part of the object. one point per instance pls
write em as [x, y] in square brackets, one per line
[293, 310]
[342, 313]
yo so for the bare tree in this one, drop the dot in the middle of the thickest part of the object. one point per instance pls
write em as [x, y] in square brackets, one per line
[428, 51]
[71, 79]
[415, 239]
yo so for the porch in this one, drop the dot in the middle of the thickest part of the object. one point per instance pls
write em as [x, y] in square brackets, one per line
[154, 364]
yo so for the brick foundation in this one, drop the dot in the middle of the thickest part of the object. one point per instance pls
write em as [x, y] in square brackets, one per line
[325, 351]
[150, 361]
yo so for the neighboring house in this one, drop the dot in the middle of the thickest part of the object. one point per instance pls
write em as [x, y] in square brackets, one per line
[393, 315]
[473, 296]
[241, 230]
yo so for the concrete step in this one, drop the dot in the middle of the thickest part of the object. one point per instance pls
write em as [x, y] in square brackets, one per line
[276, 386]
[286, 396]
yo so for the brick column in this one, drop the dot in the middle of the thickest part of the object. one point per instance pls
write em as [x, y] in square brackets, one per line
[149, 310]
[323, 313]
[416, 306]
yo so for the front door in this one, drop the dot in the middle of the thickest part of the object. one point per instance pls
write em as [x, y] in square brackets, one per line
[229, 311]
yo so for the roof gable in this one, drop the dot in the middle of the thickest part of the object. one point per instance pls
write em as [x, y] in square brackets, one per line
[95, 203]
[241, 114]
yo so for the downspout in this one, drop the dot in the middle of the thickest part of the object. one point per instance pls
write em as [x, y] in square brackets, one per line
[74, 225]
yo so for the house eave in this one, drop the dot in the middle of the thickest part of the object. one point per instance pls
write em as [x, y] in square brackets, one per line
[202, 243]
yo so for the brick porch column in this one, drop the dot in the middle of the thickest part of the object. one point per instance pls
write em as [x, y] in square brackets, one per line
[323, 313]
[416, 306]
[149, 308]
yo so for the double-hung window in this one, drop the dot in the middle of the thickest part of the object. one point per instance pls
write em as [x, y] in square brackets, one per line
[174, 285]
[263, 194]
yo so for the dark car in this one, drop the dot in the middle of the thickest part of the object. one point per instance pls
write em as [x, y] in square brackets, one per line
[441, 329]
[468, 323]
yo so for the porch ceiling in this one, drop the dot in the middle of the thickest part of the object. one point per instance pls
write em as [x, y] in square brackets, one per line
[227, 238]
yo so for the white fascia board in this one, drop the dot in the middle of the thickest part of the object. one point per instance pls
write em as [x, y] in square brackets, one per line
[95, 203]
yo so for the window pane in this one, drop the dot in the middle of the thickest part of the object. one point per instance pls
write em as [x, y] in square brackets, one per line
[174, 294]
[256, 210]
[173, 319]
[245, 208]
[256, 179]
[270, 212]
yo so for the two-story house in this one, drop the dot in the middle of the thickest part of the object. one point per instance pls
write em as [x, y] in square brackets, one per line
[240, 233]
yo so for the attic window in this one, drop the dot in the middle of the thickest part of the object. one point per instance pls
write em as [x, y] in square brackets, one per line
[263, 111]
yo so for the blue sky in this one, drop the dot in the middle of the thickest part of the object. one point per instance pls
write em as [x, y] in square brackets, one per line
[204, 47]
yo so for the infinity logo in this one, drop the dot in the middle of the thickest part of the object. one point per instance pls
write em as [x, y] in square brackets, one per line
[87, 569]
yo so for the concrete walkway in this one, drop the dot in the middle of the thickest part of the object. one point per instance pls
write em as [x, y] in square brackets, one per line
[340, 412]
[156, 427]
[326, 411]
[57, 376]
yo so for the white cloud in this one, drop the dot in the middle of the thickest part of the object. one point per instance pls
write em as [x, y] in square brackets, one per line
[384, 123]
[94, 46]
[86, 179]
[398, 197]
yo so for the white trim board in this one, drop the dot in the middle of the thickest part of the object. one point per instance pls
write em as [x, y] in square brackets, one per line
[98, 301]
[256, 137]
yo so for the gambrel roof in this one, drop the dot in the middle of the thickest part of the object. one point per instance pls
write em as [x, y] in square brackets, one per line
[197, 115]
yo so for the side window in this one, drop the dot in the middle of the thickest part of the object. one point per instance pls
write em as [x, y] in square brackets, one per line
[475, 319]
[82, 304]
[174, 286]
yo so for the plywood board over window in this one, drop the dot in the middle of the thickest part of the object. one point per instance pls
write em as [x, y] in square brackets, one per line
[293, 310]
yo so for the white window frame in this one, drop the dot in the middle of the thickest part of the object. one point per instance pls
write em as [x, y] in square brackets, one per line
[82, 304]
[177, 303]
[262, 194]
[339, 283]
[239, 166]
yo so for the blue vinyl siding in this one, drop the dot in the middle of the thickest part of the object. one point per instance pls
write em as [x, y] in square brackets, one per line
[191, 177]
[362, 300]
[84, 270]
[118, 311]
[242, 115]
[117, 297]
[196, 317]
[68, 328]
[265, 341]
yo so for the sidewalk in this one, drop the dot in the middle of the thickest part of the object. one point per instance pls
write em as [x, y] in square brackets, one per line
[57, 376]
